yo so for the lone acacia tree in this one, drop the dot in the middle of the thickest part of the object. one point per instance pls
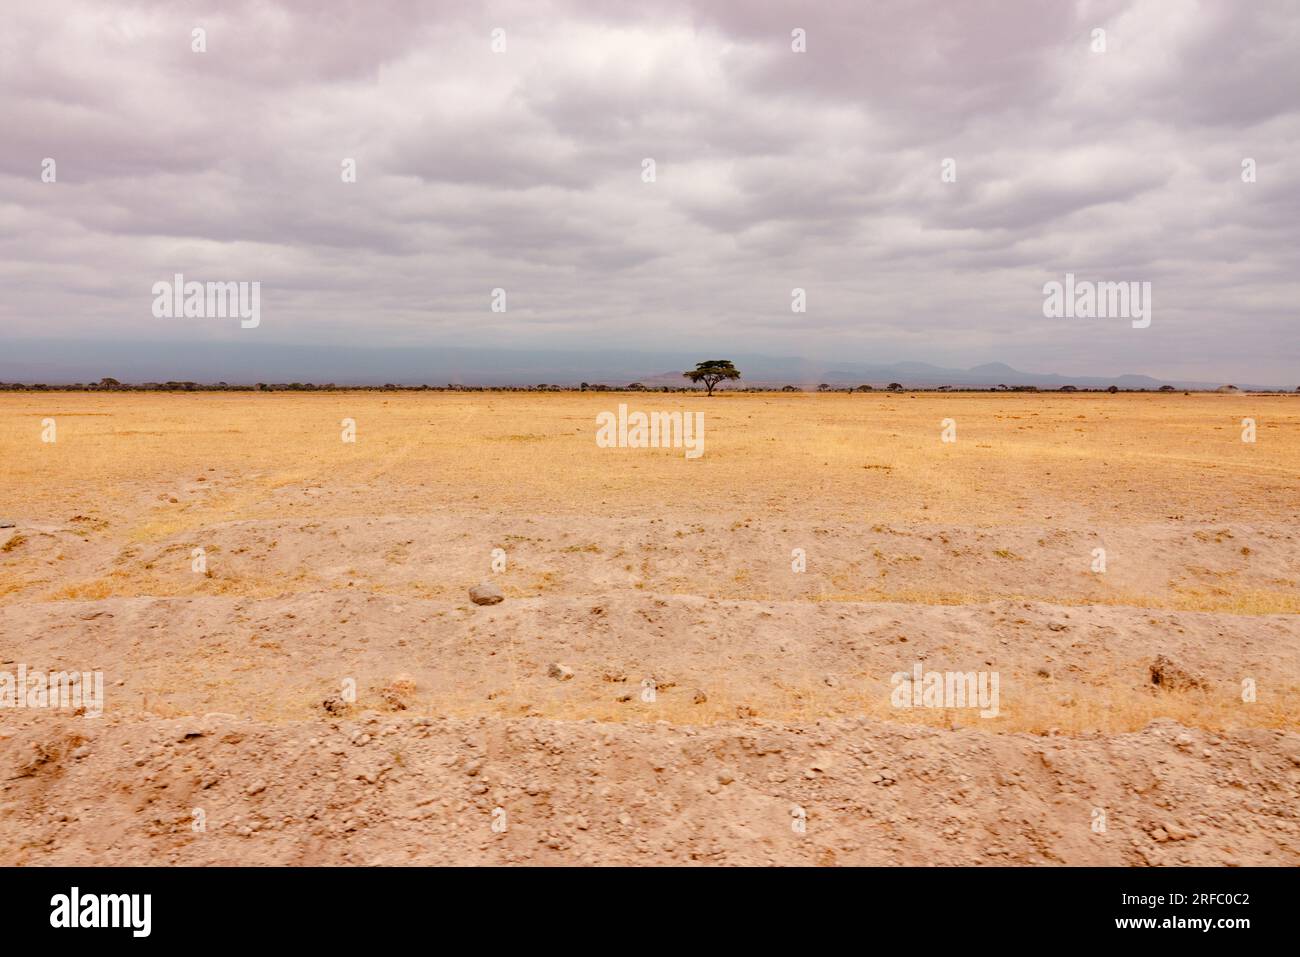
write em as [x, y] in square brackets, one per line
[713, 371]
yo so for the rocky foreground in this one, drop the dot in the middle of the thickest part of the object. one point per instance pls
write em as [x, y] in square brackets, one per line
[393, 789]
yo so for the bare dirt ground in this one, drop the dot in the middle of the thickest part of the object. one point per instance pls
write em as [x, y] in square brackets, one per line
[659, 684]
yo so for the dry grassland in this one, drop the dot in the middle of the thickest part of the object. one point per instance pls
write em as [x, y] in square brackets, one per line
[328, 560]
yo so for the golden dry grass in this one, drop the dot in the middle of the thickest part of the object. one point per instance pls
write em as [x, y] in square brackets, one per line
[142, 478]
[140, 469]
[867, 457]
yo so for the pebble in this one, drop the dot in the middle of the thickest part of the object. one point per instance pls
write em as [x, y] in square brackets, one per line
[486, 593]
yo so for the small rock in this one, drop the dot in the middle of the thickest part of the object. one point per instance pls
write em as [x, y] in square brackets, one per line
[1167, 674]
[1056, 626]
[486, 593]
[397, 692]
[257, 787]
[559, 672]
[699, 697]
[5, 523]
[1177, 832]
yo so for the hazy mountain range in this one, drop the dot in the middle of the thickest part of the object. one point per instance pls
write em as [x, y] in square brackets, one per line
[55, 362]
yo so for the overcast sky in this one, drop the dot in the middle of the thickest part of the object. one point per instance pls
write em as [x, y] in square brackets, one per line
[774, 169]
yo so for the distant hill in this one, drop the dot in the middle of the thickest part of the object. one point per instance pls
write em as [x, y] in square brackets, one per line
[49, 361]
[765, 371]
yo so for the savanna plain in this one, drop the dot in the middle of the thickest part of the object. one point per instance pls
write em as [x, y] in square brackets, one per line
[693, 659]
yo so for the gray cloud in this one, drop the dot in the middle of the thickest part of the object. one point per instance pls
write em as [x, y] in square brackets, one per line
[775, 169]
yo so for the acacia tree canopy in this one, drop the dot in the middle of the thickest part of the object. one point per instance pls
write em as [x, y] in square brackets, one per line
[713, 371]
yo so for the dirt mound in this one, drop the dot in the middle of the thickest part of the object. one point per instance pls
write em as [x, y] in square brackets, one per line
[392, 789]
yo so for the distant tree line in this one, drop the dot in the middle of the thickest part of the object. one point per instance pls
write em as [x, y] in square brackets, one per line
[113, 385]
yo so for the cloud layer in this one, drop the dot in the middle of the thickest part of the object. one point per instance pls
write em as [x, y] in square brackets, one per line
[774, 169]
